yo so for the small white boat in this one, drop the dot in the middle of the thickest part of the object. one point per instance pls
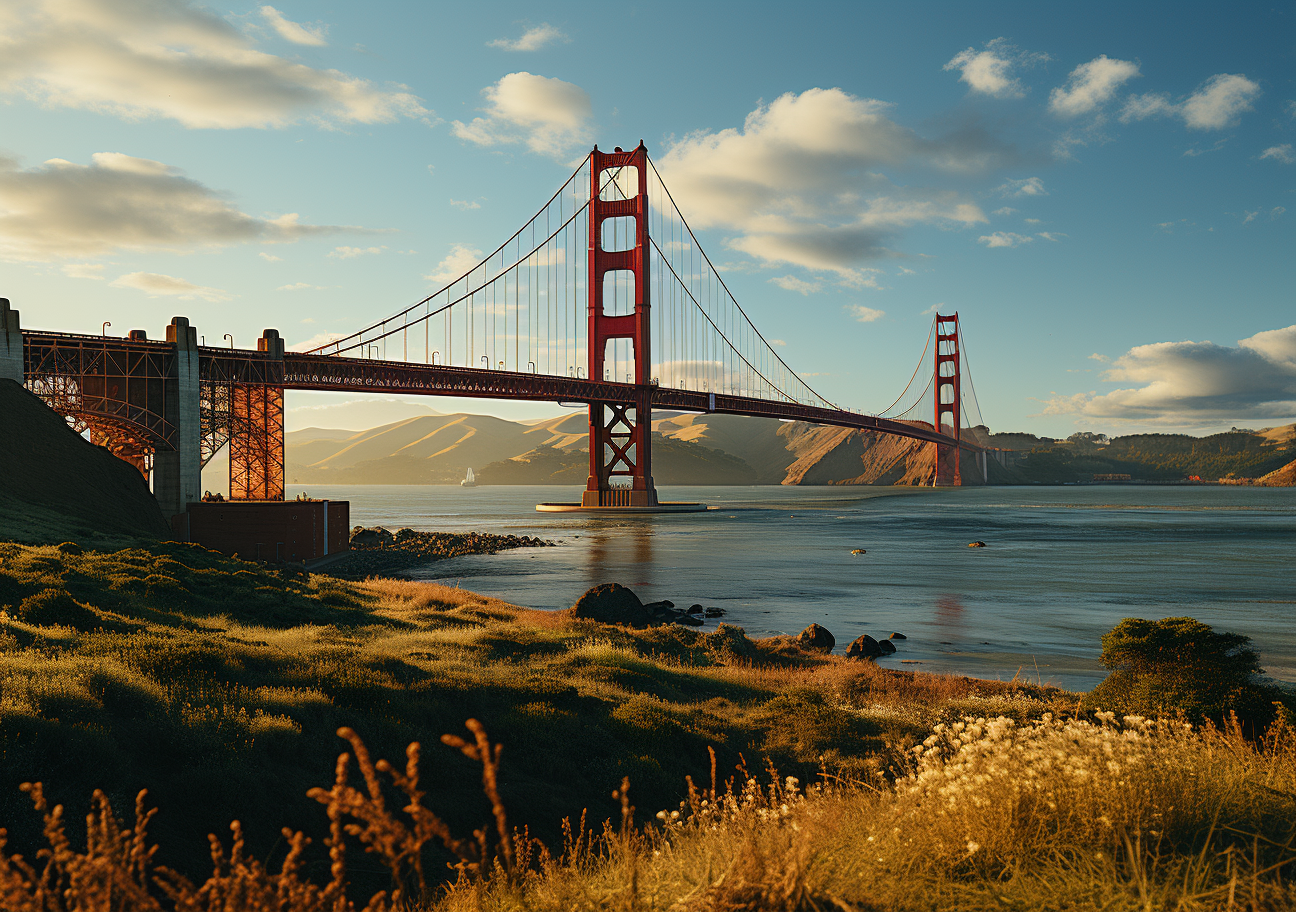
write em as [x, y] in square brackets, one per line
[470, 481]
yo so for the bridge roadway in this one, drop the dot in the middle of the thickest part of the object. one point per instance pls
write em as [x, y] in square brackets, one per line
[340, 374]
[70, 354]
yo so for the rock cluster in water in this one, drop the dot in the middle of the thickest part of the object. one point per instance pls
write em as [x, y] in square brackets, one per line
[612, 603]
[378, 550]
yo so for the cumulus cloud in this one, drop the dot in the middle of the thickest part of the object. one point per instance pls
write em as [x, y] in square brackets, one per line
[349, 253]
[800, 286]
[1197, 383]
[989, 71]
[1004, 239]
[300, 286]
[312, 35]
[1216, 105]
[457, 262]
[1090, 86]
[533, 39]
[269, 257]
[155, 284]
[170, 59]
[465, 205]
[800, 182]
[864, 314]
[548, 115]
[1282, 153]
[1031, 186]
[1054, 236]
[62, 209]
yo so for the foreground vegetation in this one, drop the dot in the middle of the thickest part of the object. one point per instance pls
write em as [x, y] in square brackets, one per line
[220, 686]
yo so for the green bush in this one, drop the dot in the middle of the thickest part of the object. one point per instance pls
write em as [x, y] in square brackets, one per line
[1180, 665]
[55, 607]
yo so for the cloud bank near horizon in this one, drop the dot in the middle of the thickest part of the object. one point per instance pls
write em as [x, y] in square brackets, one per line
[1196, 384]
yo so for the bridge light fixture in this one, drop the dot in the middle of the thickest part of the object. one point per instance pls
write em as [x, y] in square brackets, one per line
[485, 362]
[104, 330]
[231, 338]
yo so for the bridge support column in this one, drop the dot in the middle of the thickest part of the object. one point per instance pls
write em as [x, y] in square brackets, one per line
[12, 363]
[948, 399]
[256, 442]
[177, 473]
[620, 434]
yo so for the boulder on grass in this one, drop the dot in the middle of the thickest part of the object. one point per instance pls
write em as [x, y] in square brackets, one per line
[864, 647]
[612, 603]
[816, 637]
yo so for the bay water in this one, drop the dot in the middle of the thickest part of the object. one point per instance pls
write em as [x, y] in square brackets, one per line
[1061, 566]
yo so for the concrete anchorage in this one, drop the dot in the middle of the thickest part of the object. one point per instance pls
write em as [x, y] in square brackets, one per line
[177, 473]
[12, 364]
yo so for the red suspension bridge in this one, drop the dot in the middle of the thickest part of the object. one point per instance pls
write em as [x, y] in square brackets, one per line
[604, 297]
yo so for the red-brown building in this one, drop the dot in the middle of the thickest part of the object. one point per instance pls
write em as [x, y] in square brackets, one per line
[269, 530]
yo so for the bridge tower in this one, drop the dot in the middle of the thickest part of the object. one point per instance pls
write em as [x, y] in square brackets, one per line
[949, 396]
[256, 430]
[619, 434]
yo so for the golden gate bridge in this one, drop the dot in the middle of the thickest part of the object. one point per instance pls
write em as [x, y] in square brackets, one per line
[603, 297]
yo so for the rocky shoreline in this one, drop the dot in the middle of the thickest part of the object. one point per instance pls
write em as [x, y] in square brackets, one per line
[379, 552]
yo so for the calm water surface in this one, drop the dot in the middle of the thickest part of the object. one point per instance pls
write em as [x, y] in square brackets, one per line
[1062, 566]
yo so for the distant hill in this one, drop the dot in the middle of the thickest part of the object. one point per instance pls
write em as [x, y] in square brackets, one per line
[729, 449]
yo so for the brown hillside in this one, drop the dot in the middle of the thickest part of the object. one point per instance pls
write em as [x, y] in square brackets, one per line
[1280, 478]
[56, 486]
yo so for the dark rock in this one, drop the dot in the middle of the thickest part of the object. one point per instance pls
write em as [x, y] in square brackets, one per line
[692, 620]
[864, 647]
[898, 636]
[887, 647]
[376, 537]
[976, 544]
[713, 612]
[612, 603]
[404, 535]
[816, 637]
[696, 609]
[858, 551]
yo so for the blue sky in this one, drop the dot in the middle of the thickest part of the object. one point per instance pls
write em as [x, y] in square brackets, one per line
[1104, 192]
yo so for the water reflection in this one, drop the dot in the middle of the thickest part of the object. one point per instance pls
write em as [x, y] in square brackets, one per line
[614, 549]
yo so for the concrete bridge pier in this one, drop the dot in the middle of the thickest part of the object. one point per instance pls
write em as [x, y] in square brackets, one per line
[177, 473]
[11, 344]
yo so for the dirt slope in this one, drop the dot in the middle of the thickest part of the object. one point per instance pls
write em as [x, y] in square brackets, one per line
[56, 486]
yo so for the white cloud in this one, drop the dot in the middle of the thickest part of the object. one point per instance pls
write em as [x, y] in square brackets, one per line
[312, 36]
[533, 39]
[314, 341]
[465, 204]
[84, 270]
[779, 342]
[170, 59]
[117, 202]
[1091, 85]
[800, 182]
[800, 286]
[548, 115]
[1054, 236]
[1004, 239]
[1216, 105]
[864, 314]
[349, 253]
[1197, 383]
[989, 71]
[300, 286]
[155, 284]
[1282, 153]
[269, 257]
[1006, 210]
[1276, 211]
[934, 309]
[457, 262]
[1097, 357]
[1031, 186]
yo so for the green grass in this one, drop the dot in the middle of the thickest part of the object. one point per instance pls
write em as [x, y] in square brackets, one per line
[219, 685]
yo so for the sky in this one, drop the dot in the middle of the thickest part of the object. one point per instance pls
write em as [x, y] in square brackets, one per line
[1102, 191]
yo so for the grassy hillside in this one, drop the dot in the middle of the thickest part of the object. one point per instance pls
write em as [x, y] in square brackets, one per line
[675, 462]
[55, 486]
[219, 685]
